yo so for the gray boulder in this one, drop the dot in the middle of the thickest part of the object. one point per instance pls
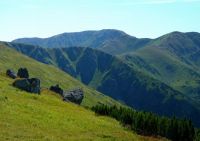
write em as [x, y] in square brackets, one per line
[75, 96]
[11, 74]
[30, 85]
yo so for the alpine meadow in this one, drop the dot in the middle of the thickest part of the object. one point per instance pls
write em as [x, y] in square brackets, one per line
[98, 70]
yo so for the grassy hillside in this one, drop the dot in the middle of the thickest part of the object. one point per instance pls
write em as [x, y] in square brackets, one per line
[114, 78]
[49, 75]
[173, 59]
[45, 117]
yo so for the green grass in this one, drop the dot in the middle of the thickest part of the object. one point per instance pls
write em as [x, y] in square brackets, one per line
[45, 117]
[49, 75]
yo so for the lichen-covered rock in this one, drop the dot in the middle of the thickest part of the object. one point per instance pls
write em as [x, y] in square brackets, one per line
[11, 74]
[75, 96]
[57, 89]
[23, 73]
[30, 85]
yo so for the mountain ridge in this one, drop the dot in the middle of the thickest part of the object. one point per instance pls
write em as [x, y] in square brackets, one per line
[103, 40]
[113, 78]
[172, 59]
[112, 41]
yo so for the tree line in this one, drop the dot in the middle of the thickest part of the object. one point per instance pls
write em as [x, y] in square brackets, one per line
[147, 123]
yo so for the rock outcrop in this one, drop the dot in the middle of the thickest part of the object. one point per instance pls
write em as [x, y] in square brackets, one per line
[75, 96]
[30, 85]
[57, 89]
[23, 73]
[11, 74]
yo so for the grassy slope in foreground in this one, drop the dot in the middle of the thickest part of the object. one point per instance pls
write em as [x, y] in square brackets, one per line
[45, 117]
[49, 75]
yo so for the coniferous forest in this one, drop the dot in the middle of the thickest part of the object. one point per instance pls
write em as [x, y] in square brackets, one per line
[149, 124]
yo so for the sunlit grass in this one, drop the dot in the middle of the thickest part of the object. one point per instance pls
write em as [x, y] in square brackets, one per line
[25, 116]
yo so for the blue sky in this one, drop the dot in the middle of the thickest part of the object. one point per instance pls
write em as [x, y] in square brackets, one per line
[140, 18]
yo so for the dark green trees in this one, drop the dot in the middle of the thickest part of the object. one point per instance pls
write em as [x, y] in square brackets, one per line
[150, 124]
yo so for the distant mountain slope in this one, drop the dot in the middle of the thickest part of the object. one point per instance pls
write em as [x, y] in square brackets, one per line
[108, 40]
[114, 78]
[173, 59]
[49, 75]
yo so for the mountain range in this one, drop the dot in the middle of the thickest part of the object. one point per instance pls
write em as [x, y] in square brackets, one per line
[108, 40]
[159, 75]
[172, 58]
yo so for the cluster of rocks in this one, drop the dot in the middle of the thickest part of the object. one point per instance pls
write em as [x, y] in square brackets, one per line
[23, 82]
[75, 96]
[22, 73]
[32, 85]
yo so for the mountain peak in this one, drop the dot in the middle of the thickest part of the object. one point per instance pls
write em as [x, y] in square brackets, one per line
[110, 40]
[113, 31]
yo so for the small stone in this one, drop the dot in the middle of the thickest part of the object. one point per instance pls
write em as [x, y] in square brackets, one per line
[57, 89]
[11, 74]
